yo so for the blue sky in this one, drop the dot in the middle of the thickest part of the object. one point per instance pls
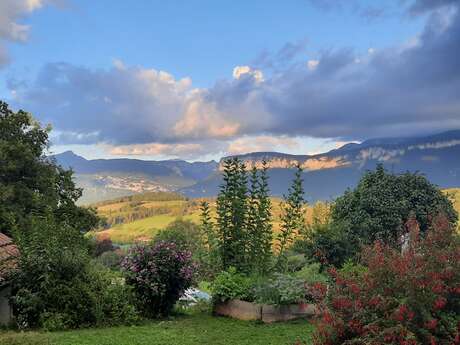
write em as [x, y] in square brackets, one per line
[92, 69]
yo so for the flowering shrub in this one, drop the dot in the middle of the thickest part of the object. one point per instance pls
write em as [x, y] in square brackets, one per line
[408, 297]
[159, 274]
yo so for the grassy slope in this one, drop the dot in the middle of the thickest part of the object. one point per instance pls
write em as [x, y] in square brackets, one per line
[195, 329]
[142, 229]
[145, 229]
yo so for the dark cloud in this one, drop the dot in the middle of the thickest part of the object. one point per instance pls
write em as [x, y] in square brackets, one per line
[408, 90]
[405, 91]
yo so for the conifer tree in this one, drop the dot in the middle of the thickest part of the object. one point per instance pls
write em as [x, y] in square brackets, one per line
[292, 217]
[253, 220]
[263, 220]
[211, 255]
[231, 215]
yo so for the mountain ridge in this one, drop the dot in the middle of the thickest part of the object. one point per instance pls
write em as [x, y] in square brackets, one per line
[326, 174]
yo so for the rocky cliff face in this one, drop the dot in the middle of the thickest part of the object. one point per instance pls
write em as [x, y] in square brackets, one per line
[387, 151]
[308, 163]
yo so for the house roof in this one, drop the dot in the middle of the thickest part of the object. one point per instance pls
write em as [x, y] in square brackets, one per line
[8, 254]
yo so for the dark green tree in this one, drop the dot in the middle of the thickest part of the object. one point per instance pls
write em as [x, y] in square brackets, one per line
[231, 215]
[259, 226]
[380, 205]
[292, 217]
[30, 183]
[210, 262]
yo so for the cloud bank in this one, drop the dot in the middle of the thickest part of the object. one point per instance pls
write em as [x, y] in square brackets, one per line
[406, 90]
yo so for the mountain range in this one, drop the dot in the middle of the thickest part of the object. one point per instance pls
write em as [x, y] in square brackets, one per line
[326, 175]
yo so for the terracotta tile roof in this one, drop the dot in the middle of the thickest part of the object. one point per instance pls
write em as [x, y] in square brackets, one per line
[8, 254]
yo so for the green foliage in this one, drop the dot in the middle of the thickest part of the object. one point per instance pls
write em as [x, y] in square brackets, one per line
[379, 207]
[159, 274]
[29, 182]
[352, 270]
[231, 284]
[327, 244]
[57, 287]
[259, 227]
[281, 289]
[231, 215]
[290, 288]
[311, 274]
[111, 260]
[292, 218]
[209, 259]
[295, 262]
[184, 233]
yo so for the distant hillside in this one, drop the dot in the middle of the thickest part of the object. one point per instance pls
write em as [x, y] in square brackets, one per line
[104, 179]
[329, 174]
[326, 176]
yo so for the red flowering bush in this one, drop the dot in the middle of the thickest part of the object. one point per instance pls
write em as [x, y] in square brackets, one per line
[159, 274]
[405, 297]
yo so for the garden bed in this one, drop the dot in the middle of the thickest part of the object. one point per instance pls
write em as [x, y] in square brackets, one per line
[267, 313]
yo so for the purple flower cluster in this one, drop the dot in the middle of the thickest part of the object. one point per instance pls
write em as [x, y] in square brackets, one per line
[159, 274]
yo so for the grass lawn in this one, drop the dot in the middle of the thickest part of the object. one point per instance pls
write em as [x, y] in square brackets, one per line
[195, 329]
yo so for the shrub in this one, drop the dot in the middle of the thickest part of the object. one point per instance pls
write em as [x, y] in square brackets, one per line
[281, 289]
[184, 233]
[111, 260]
[408, 297]
[231, 284]
[101, 246]
[311, 274]
[52, 275]
[327, 244]
[159, 274]
[300, 287]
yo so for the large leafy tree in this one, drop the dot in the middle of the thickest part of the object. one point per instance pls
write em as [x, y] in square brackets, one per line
[30, 183]
[379, 207]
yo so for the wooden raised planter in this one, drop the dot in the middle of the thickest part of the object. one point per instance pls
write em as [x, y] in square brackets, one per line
[242, 310]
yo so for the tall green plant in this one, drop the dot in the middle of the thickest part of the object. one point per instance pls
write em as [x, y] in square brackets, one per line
[292, 217]
[260, 229]
[210, 258]
[231, 215]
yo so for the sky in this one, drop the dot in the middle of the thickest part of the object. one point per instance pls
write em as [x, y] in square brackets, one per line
[201, 79]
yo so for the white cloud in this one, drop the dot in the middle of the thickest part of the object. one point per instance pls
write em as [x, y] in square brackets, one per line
[260, 144]
[312, 64]
[242, 71]
[11, 11]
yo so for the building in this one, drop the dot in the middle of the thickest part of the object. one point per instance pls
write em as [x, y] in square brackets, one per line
[8, 255]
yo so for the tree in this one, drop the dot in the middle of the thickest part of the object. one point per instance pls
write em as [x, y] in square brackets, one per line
[210, 261]
[292, 217]
[30, 183]
[231, 215]
[381, 204]
[184, 233]
[259, 226]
